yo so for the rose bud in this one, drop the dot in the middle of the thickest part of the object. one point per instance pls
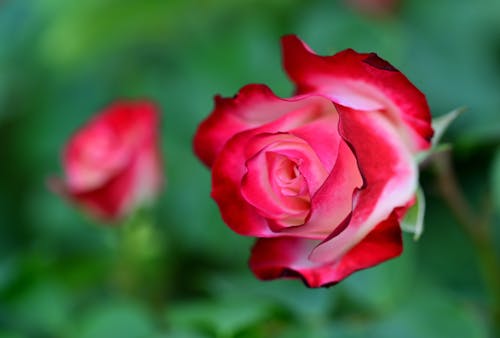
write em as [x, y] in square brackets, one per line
[323, 178]
[113, 165]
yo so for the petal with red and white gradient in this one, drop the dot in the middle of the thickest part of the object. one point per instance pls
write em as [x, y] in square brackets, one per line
[227, 173]
[333, 202]
[362, 82]
[288, 256]
[254, 106]
[389, 173]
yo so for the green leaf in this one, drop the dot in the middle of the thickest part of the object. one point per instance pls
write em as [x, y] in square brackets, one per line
[306, 305]
[53, 303]
[117, 319]
[431, 313]
[10, 335]
[414, 219]
[224, 317]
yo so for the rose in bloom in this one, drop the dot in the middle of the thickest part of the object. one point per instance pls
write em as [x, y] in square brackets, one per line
[324, 177]
[113, 163]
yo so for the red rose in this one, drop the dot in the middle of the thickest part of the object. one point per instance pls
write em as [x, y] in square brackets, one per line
[113, 163]
[322, 178]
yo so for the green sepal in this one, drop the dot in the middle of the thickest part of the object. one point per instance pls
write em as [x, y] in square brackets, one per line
[440, 125]
[413, 221]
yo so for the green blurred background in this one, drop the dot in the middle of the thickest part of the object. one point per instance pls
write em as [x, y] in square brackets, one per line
[63, 275]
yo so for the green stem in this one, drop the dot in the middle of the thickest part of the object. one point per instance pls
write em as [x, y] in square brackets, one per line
[477, 227]
[139, 268]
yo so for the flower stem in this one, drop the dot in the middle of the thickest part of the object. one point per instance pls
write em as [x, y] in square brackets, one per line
[139, 268]
[478, 228]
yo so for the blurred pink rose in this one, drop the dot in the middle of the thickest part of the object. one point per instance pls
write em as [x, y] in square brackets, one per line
[113, 163]
[321, 178]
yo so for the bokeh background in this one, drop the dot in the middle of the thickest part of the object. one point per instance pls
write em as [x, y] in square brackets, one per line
[183, 273]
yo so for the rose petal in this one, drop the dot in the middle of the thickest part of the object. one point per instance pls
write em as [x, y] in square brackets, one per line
[297, 149]
[93, 156]
[254, 106]
[362, 82]
[101, 149]
[148, 177]
[258, 190]
[109, 200]
[382, 243]
[227, 172]
[389, 173]
[287, 256]
[333, 202]
[323, 136]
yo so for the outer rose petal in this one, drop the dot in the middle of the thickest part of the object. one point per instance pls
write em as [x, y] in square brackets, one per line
[227, 173]
[136, 184]
[93, 156]
[389, 173]
[362, 82]
[288, 257]
[252, 107]
[109, 200]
